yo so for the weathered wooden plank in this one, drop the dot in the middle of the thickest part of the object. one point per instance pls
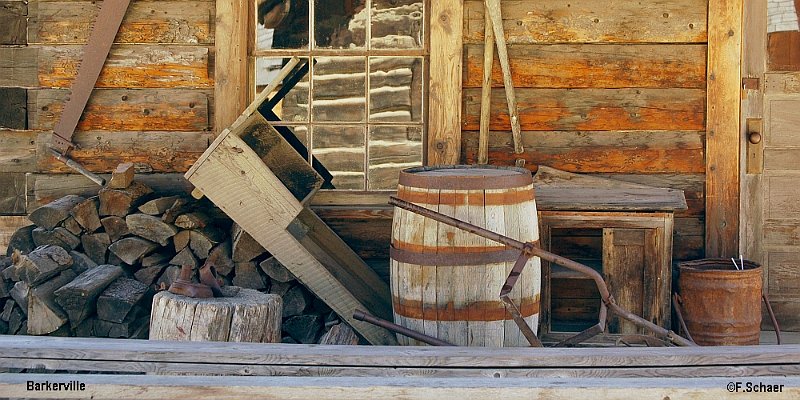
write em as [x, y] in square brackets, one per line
[444, 114]
[724, 104]
[784, 273]
[593, 109]
[126, 109]
[595, 66]
[783, 53]
[787, 311]
[231, 71]
[151, 150]
[14, 29]
[782, 83]
[781, 195]
[12, 193]
[608, 152]
[784, 121]
[9, 225]
[781, 232]
[169, 21]
[17, 150]
[586, 21]
[127, 66]
[18, 66]
[13, 108]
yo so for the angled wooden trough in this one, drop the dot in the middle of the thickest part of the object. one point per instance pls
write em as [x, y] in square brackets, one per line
[253, 174]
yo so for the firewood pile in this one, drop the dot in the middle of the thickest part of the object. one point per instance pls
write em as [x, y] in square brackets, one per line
[90, 266]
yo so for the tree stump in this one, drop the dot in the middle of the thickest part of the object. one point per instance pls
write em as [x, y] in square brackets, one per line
[250, 316]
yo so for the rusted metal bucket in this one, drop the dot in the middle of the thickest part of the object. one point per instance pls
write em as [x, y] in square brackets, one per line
[721, 305]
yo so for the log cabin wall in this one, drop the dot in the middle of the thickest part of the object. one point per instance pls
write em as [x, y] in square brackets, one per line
[152, 104]
[610, 89]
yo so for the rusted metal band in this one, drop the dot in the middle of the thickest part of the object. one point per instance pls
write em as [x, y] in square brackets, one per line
[490, 310]
[464, 198]
[421, 248]
[495, 177]
[452, 259]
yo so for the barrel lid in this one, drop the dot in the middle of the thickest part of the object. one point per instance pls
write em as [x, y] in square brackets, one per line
[466, 177]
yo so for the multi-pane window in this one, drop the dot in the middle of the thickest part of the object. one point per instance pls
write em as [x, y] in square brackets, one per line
[359, 108]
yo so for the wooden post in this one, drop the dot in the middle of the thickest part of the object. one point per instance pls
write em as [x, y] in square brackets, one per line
[486, 91]
[231, 92]
[444, 119]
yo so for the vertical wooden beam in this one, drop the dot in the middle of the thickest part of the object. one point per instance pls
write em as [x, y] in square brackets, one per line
[444, 117]
[231, 64]
[722, 130]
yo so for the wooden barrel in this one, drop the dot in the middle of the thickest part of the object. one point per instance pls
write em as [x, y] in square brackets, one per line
[446, 282]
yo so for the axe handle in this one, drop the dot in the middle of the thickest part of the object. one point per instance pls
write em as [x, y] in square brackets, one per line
[78, 168]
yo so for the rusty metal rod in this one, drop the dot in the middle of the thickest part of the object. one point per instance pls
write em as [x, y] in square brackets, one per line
[530, 249]
[362, 316]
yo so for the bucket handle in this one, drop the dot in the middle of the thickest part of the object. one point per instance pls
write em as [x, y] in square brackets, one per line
[677, 301]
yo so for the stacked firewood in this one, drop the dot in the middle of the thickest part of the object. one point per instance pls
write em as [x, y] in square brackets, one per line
[89, 266]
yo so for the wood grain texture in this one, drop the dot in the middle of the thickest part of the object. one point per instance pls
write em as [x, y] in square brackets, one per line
[126, 109]
[588, 21]
[642, 152]
[170, 21]
[595, 66]
[13, 108]
[722, 162]
[783, 51]
[593, 109]
[231, 68]
[444, 113]
[17, 150]
[9, 225]
[14, 29]
[12, 193]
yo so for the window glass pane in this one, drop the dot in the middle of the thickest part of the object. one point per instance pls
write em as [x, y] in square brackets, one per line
[397, 24]
[292, 105]
[338, 89]
[392, 149]
[340, 24]
[281, 24]
[395, 89]
[341, 150]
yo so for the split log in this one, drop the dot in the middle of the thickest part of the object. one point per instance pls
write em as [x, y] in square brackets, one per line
[113, 259]
[72, 226]
[17, 323]
[303, 328]
[122, 177]
[244, 248]
[86, 214]
[181, 240]
[131, 249]
[149, 275]
[249, 316]
[59, 236]
[115, 227]
[158, 206]
[20, 294]
[220, 258]
[3, 328]
[296, 301]
[169, 275]
[158, 258]
[276, 271]
[203, 240]
[124, 329]
[81, 262]
[119, 298]
[44, 315]
[41, 264]
[50, 215]
[247, 276]
[95, 246]
[171, 214]
[193, 220]
[85, 328]
[150, 228]
[22, 240]
[280, 288]
[7, 308]
[5, 284]
[78, 297]
[120, 202]
[185, 257]
[340, 334]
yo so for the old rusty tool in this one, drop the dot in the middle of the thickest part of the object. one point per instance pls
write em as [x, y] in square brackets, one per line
[533, 250]
[94, 55]
[486, 90]
[362, 316]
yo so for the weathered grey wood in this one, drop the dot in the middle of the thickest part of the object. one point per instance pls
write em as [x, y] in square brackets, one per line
[203, 240]
[169, 275]
[121, 202]
[171, 213]
[303, 328]
[17, 322]
[72, 226]
[59, 236]
[13, 108]
[119, 298]
[220, 258]
[296, 301]
[245, 248]
[193, 220]
[181, 240]
[14, 29]
[19, 292]
[185, 257]
[78, 297]
[12, 184]
[275, 270]
[41, 264]
[247, 276]
[124, 329]
[131, 249]
[22, 240]
[148, 275]
[85, 213]
[151, 228]
[115, 227]
[50, 215]
[81, 262]
[158, 206]
[340, 334]
[122, 176]
[44, 315]
[95, 246]
[7, 307]
[157, 258]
